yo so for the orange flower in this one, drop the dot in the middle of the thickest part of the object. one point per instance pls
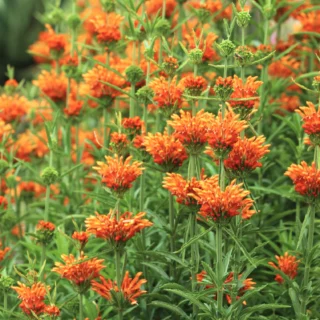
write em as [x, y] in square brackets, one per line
[107, 27]
[13, 83]
[74, 106]
[246, 284]
[30, 188]
[284, 67]
[221, 205]
[32, 297]
[287, 264]
[309, 21]
[168, 96]
[216, 8]
[13, 107]
[119, 142]
[311, 122]
[56, 42]
[181, 188]
[3, 202]
[289, 103]
[166, 150]
[82, 237]
[223, 133]
[305, 178]
[109, 228]
[98, 89]
[242, 91]
[29, 144]
[40, 49]
[118, 175]
[52, 85]
[193, 86]
[3, 251]
[154, 6]
[80, 271]
[130, 288]
[133, 125]
[45, 225]
[245, 155]
[191, 131]
[5, 130]
[206, 44]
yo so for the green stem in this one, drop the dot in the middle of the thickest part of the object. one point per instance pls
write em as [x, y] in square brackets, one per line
[105, 122]
[306, 275]
[119, 277]
[5, 300]
[192, 172]
[43, 258]
[132, 112]
[219, 268]
[80, 306]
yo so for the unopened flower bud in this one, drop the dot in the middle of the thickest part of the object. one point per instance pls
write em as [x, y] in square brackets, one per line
[243, 55]
[108, 5]
[55, 17]
[226, 47]
[145, 95]
[316, 83]
[243, 19]
[162, 27]
[134, 74]
[45, 232]
[269, 11]
[49, 175]
[195, 56]
[169, 66]
[5, 283]
[223, 88]
[74, 21]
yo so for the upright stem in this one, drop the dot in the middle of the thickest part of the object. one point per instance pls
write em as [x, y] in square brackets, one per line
[192, 172]
[5, 300]
[132, 102]
[219, 268]
[80, 306]
[105, 121]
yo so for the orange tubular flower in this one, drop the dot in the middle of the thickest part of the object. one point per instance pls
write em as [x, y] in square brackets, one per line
[56, 42]
[98, 89]
[80, 271]
[82, 237]
[119, 142]
[52, 85]
[224, 133]
[166, 150]
[247, 284]
[245, 155]
[222, 205]
[130, 288]
[168, 97]
[118, 175]
[311, 122]
[109, 228]
[284, 67]
[287, 264]
[191, 131]
[33, 299]
[5, 130]
[3, 251]
[305, 178]
[242, 91]
[3, 202]
[133, 125]
[181, 188]
[45, 225]
[107, 27]
[193, 86]
[74, 106]
[13, 107]
[154, 6]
